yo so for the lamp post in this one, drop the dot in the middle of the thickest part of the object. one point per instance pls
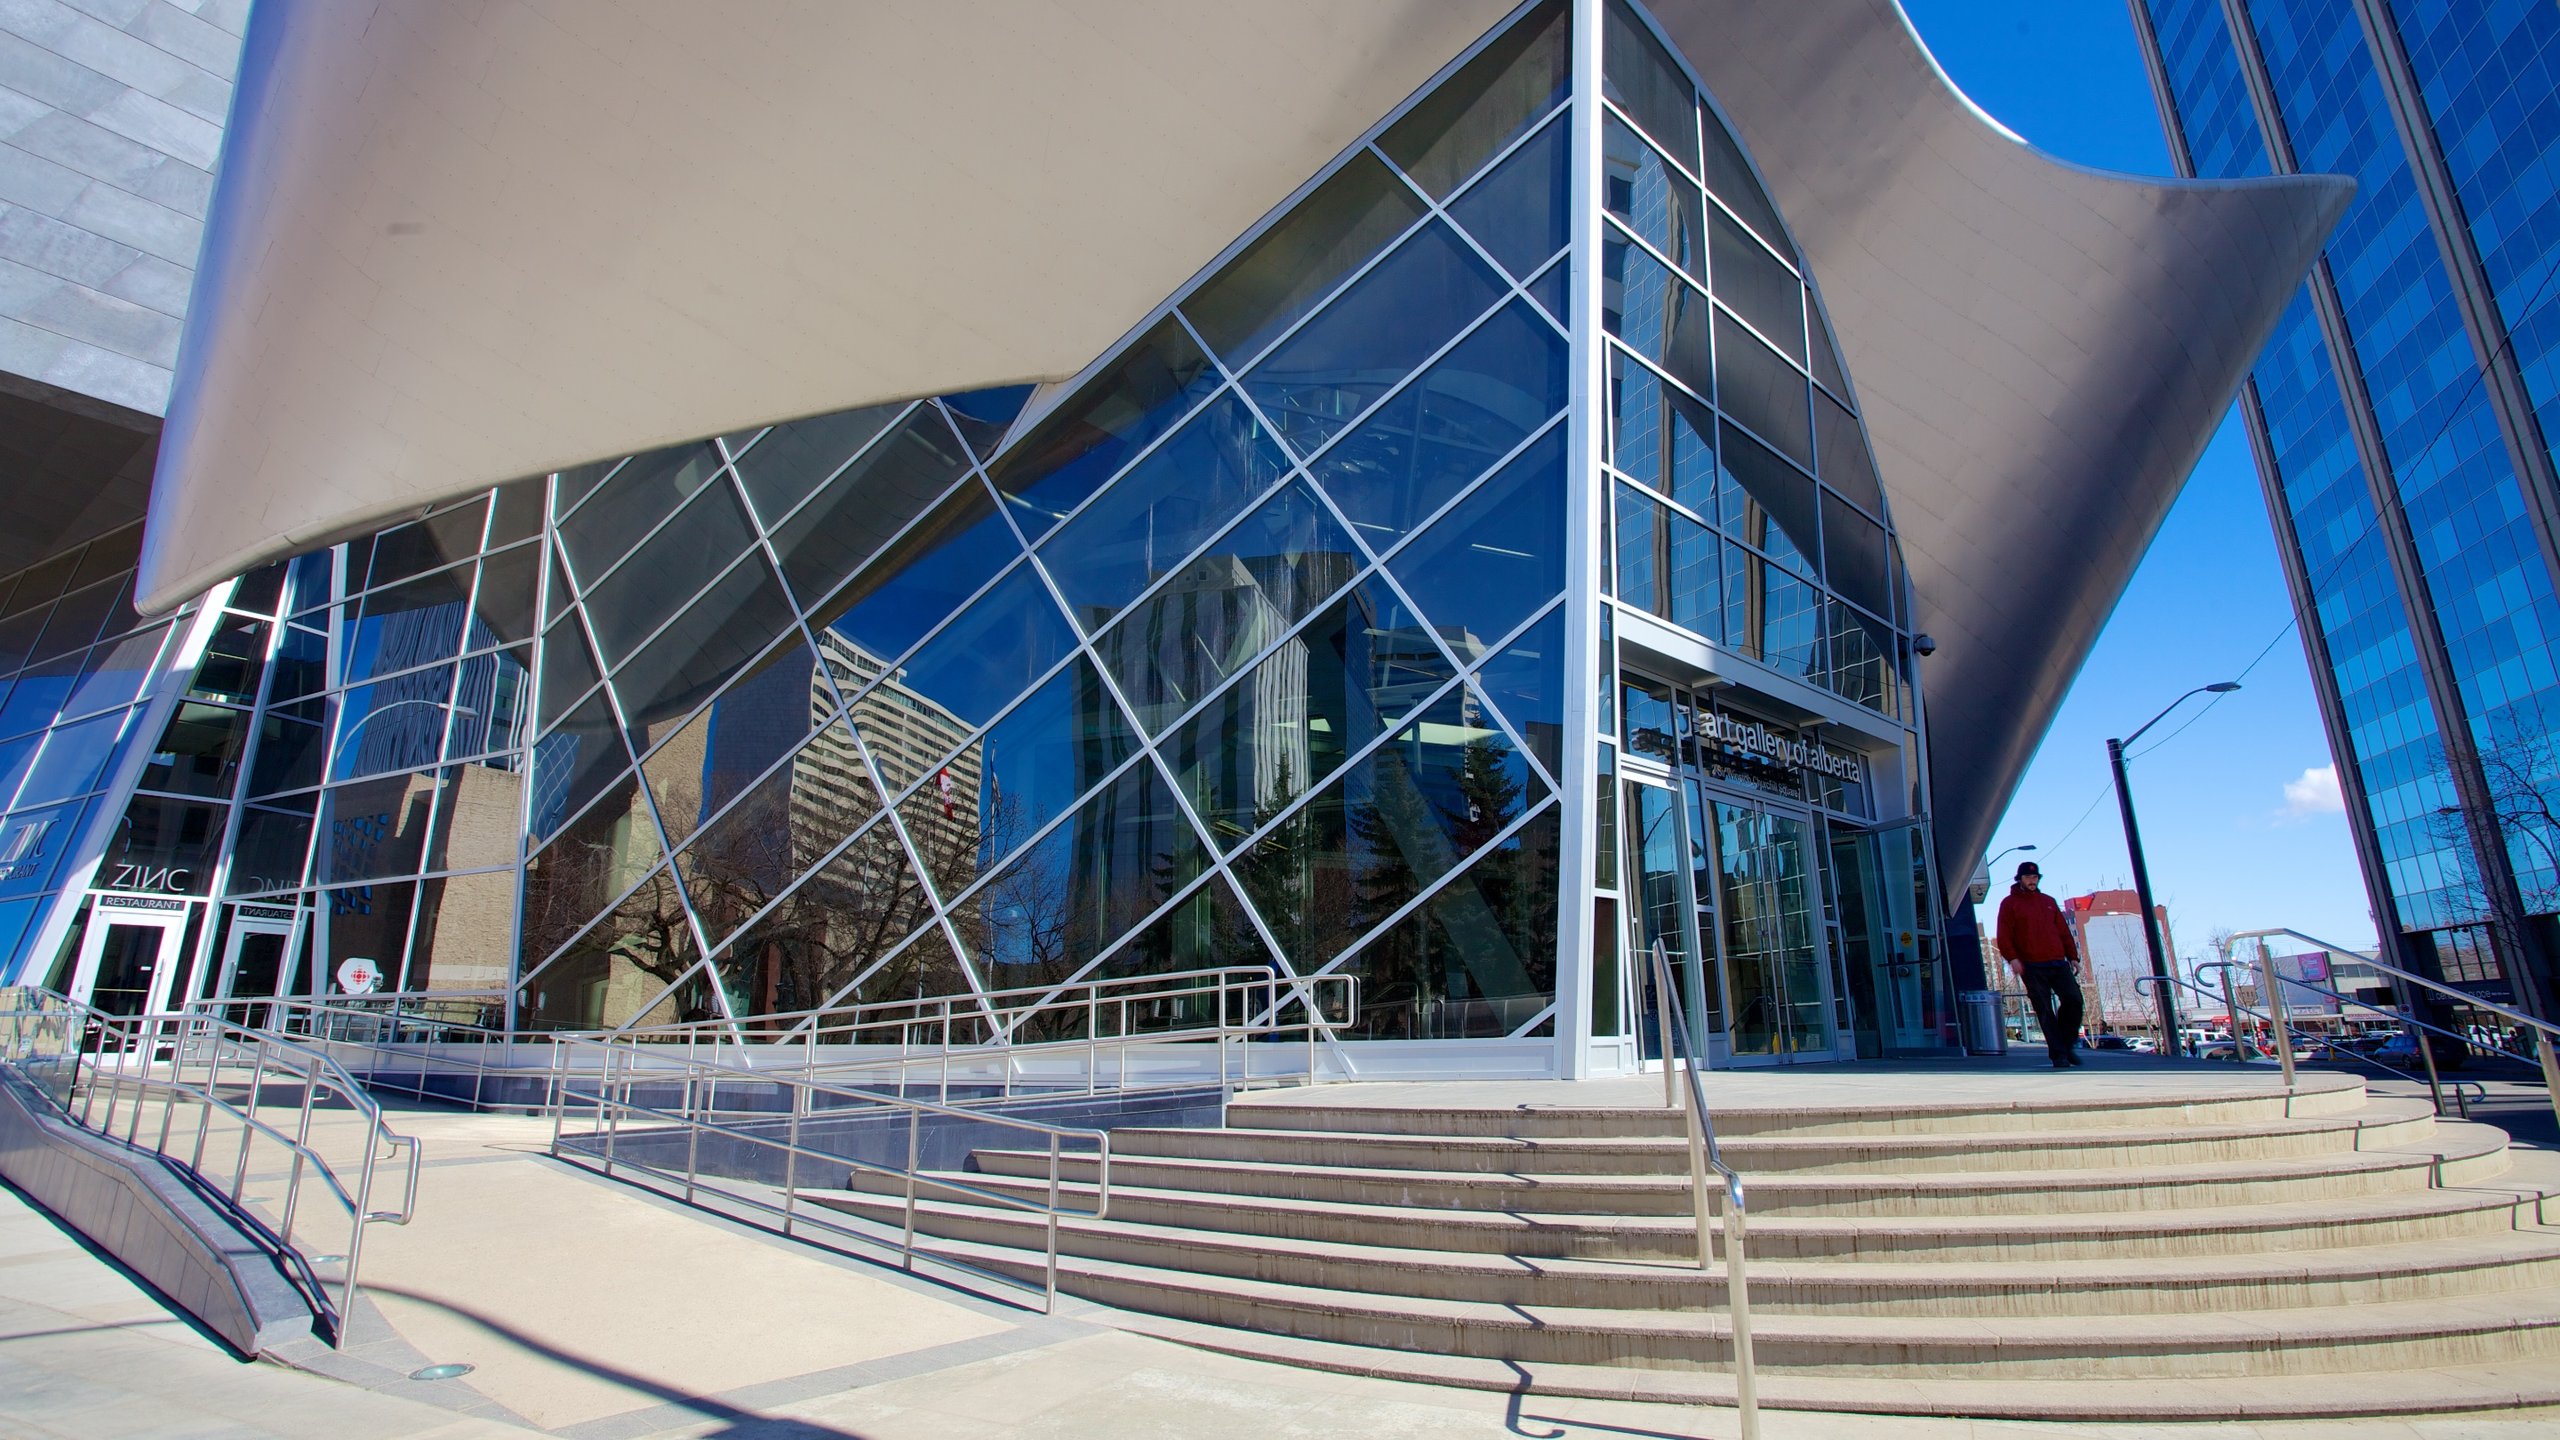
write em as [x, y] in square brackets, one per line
[2003, 855]
[2168, 1009]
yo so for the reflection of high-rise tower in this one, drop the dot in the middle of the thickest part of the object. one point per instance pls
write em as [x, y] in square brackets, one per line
[907, 735]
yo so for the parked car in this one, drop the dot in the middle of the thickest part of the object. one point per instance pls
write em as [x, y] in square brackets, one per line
[2110, 1042]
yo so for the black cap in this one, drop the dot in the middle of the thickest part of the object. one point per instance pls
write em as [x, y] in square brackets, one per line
[2027, 868]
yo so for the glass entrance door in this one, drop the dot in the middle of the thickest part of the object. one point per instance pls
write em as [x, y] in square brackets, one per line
[1773, 953]
[129, 958]
[253, 965]
[1663, 905]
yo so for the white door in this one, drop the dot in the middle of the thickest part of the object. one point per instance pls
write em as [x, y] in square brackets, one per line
[129, 956]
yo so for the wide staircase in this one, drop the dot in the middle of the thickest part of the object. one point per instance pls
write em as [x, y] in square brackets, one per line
[2183, 1251]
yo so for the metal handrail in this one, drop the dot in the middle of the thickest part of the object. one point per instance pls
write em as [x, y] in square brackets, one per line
[1672, 1022]
[2284, 1047]
[623, 1062]
[991, 1005]
[346, 1022]
[59, 1029]
[2548, 1032]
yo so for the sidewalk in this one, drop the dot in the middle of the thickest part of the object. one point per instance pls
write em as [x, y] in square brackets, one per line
[599, 1311]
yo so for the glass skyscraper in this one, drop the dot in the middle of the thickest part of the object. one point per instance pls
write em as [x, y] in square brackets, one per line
[2403, 419]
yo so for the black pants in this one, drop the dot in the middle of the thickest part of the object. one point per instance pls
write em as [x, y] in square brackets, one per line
[2055, 992]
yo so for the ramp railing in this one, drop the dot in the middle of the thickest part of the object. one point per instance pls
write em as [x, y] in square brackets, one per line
[239, 1111]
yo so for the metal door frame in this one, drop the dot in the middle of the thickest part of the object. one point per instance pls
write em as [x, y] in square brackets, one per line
[243, 924]
[108, 909]
[1650, 773]
[1818, 899]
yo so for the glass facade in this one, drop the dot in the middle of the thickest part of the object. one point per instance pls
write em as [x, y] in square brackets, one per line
[2404, 419]
[1248, 647]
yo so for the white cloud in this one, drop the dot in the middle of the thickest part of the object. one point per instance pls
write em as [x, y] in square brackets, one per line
[2314, 793]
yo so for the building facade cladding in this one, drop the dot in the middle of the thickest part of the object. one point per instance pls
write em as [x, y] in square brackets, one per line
[1268, 642]
[2403, 421]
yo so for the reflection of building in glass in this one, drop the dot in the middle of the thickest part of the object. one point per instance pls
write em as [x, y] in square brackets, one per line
[1452, 586]
[2404, 420]
[2114, 954]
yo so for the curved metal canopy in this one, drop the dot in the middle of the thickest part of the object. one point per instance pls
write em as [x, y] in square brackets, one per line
[2041, 351]
[457, 244]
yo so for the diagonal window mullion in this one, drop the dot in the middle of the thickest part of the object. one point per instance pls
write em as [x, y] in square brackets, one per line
[1433, 891]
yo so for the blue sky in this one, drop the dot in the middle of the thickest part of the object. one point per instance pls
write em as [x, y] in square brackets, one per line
[2240, 829]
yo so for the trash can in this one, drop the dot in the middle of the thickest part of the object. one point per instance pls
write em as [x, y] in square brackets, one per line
[1983, 1032]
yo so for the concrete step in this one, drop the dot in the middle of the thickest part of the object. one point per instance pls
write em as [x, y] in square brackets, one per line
[2298, 1225]
[2495, 1328]
[2462, 1152]
[2184, 1285]
[1347, 1108]
[2384, 1125]
[2441, 1390]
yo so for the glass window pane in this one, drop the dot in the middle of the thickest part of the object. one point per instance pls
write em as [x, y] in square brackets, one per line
[667, 572]
[1767, 502]
[983, 416]
[1525, 681]
[896, 480]
[571, 880]
[1260, 578]
[1494, 560]
[288, 755]
[1642, 566]
[579, 481]
[269, 853]
[1853, 555]
[568, 670]
[1161, 509]
[1826, 357]
[1520, 76]
[1846, 463]
[395, 724]
[1466, 412]
[993, 651]
[374, 828]
[1697, 602]
[838, 928]
[1363, 344]
[1520, 212]
[36, 701]
[163, 846]
[573, 763]
[1280, 731]
[1647, 709]
[18, 636]
[1658, 315]
[1640, 76]
[1549, 290]
[408, 625]
[1861, 661]
[1773, 616]
[491, 695]
[1478, 959]
[414, 549]
[502, 608]
[114, 671]
[199, 754]
[920, 580]
[1031, 765]
[40, 840]
[302, 671]
[1207, 930]
[716, 754]
[620, 971]
[795, 459]
[1654, 200]
[78, 617]
[1068, 455]
[742, 615]
[1289, 269]
[311, 579]
[260, 590]
[905, 734]
[1087, 883]
[1661, 435]
[1730, 180]
[646, 490]
[465, 934]
[41, 584]
[518, 513]
[1403, 816]
[783, 826]
[1758, 287]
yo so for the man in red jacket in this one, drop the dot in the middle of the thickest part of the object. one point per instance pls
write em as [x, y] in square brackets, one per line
[2034, 937]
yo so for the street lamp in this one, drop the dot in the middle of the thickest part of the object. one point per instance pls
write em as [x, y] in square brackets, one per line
[2168, 1009]
[1996, 859]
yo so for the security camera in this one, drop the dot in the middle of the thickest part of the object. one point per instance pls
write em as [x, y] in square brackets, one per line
[1923, 646]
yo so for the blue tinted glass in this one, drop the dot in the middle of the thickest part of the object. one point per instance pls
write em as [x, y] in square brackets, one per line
[1661, 435]
[667, 572]
[1490, 563]
[1639, 76]
[922, 578]
[1525, 681]
[420, 546]
[37, 700]
[996, 647]
[1367, 339]
[1520, 211]
[1642, 566]
[794, 459]
[1550, 291]
[1762, 391]
[702, 649]
[1767, 502]
[984, 415]
[491, 698]
[287, 756]
[395, 724]
[1658, 315]
[1087, 883]
[1463, 414]
[1048, 750]
[646, 490]
[1288, 269]
[1478, 959]
[1208, 930]
[1068, 455]
[73, 759]
[408, 625]
[1656, 201]
[1260, 578]
[116, 670]
[1695, 592]
[1776, 616]
[897, 479]
[1164, 507]
[572, 765]
[1846, 464]
[1517, 77]
[39, 839]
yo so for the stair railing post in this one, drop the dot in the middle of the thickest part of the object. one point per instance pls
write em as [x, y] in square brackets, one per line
[1737, 1295]
[2276, 1017]
[1662, 1022]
